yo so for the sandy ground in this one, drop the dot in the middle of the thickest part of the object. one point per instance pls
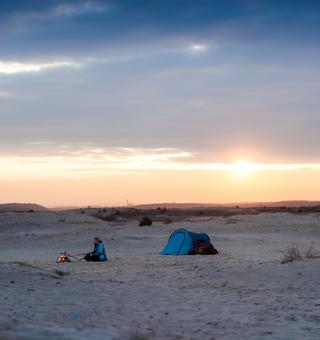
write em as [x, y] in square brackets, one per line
[242, 293]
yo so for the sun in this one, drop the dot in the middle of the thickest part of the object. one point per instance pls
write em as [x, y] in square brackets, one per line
[242, 168]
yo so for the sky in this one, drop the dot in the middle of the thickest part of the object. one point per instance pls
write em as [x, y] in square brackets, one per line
[159, 101]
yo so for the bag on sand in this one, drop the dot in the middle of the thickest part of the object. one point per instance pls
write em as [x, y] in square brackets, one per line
[202, 248]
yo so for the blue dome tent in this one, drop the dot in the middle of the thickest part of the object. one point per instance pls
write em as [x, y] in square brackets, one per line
[182, 242]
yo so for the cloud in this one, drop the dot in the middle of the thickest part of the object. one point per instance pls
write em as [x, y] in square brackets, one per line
[195, 104]
[37, 29]
[92, 161]
[12, 67]
[5, 94]
[154, 77]
[69, 9]
[88, 161]
[198, 48]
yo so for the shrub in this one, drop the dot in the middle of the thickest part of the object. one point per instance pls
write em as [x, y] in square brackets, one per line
[292, 254]
[312, 253]
[145, 221]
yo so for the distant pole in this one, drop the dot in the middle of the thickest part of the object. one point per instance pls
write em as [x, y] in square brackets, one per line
[129, 204]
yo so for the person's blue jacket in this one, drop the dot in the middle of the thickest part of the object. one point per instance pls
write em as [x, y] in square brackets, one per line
[100, 250]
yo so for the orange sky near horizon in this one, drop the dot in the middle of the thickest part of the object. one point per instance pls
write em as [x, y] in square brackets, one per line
[104, 177]
[152, 185]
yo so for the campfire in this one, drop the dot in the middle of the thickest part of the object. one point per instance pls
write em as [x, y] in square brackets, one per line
[63, 258]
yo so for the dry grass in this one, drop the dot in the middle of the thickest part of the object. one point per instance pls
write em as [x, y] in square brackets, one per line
[312, 253]
[293, 254]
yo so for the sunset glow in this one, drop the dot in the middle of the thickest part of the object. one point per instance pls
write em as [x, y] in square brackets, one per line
[144, 175]
[243, 168]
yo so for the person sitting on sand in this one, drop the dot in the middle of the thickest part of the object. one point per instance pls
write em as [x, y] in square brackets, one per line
[98, 253]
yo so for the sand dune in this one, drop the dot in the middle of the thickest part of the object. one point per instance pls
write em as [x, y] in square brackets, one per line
[244, 292]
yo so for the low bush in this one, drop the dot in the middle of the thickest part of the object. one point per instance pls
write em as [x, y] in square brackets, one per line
[292, 254]
[146, 221]
[312, 253]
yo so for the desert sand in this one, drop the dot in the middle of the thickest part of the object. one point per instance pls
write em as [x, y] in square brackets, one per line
[244, 292]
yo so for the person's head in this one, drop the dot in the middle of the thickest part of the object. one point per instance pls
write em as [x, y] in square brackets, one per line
[96, 240]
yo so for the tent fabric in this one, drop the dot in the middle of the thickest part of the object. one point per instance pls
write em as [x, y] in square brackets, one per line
[182, 242]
